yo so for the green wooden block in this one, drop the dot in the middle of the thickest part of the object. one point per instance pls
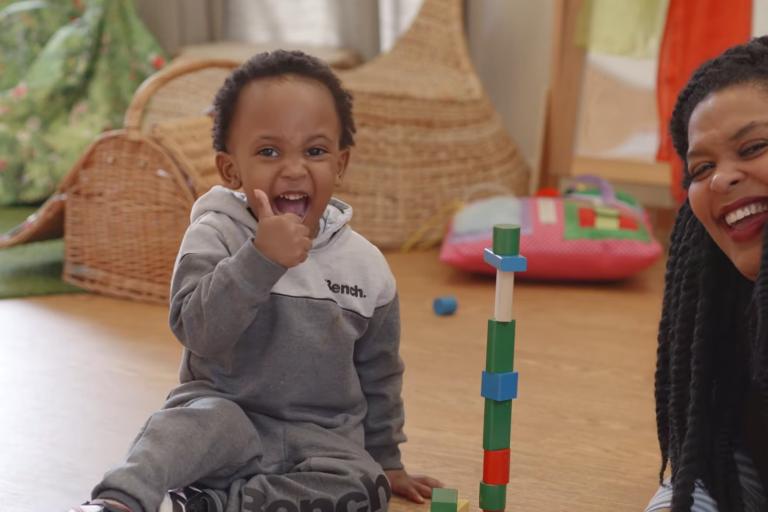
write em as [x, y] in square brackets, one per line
[497, 424]
[444, 500]
[506, 240]
[493, 497]
[500, 347]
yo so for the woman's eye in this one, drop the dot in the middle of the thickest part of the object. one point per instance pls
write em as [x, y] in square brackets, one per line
[267, 152]
[753, 149]
[699, 171]
[316, 151]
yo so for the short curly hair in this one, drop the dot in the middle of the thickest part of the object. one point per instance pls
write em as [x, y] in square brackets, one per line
[273, 64]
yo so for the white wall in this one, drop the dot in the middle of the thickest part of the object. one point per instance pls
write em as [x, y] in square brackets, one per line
[350, 24]
[510, 44]
[176, 23]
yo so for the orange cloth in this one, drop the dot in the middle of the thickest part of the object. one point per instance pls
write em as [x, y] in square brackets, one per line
[695, 31]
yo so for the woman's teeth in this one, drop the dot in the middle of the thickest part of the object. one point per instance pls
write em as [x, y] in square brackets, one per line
[745, 211]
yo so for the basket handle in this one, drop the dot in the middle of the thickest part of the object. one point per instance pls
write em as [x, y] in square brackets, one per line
[135, 112]
[607, 194]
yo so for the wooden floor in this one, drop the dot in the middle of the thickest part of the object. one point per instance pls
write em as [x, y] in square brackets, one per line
[79, 375]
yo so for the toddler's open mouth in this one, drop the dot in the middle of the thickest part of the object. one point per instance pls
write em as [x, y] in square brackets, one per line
[296, 203]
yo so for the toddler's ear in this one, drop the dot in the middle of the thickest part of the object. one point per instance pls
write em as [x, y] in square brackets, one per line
[228, 171]
[342, 165]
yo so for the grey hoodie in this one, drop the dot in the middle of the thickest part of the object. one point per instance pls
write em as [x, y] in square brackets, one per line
[317, 343]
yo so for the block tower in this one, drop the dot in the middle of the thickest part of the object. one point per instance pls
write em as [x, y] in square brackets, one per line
[499, 381]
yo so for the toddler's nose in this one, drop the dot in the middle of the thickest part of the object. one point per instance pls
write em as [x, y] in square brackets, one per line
[294, 169]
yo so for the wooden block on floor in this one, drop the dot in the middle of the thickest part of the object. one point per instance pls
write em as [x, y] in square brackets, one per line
[507, 263]
[497, 424]
[506, 239]
[493, 497]
[444, 500]
[499, 386]
[496, 466]
[500, 346]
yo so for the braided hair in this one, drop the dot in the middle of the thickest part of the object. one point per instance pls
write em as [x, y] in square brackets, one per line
[713, 332]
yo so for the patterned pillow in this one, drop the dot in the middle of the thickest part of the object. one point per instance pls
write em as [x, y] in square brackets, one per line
[590, 233]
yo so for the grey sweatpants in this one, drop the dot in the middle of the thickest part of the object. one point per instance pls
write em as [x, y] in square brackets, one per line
[258, 463]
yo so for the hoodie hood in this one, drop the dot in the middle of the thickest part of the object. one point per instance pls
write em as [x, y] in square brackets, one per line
[234, 205]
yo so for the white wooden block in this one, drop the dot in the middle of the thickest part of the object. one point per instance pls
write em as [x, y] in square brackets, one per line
[505, 287]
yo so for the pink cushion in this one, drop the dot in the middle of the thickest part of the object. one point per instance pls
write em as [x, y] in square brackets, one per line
[564, 238]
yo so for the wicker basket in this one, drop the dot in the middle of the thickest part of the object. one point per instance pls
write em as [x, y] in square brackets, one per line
[184, 89]
[125, 217]
[125, 204]
[426, 131]
[129, 205]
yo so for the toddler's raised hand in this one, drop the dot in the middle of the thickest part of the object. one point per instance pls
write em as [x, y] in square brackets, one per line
[281, 238]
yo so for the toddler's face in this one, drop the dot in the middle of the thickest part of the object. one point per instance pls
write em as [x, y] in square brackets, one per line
[728, 161]
[284, 140]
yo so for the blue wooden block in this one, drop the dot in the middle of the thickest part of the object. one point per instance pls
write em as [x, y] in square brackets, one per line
[444, 306]
[499, 386]
[505, 263]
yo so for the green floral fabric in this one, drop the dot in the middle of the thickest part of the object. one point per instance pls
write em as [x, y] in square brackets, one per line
[69, 70]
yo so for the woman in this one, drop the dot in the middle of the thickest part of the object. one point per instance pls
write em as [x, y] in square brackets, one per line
[712, 368]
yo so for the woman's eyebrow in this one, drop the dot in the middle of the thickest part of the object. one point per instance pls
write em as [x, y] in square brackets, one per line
[746, 129]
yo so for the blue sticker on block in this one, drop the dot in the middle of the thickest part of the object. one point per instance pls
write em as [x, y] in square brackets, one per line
[505, 263]
[499, 386]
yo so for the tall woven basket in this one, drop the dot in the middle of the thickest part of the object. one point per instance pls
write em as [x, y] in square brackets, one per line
[427, 132]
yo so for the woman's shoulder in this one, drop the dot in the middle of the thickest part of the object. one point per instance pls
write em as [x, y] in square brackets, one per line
[753, 494]
[662, 500]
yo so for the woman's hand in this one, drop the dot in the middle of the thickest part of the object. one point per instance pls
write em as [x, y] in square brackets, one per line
[414, 488]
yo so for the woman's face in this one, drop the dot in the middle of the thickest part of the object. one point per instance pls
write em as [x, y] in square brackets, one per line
[728, 164]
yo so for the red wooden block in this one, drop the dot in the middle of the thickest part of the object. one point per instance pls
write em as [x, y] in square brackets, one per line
[587, 217]
[496, 467]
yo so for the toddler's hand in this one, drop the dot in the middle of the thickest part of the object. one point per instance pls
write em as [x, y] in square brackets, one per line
[415, 488]
[281, 238]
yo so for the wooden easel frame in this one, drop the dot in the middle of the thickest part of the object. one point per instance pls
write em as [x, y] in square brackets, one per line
[566, 78]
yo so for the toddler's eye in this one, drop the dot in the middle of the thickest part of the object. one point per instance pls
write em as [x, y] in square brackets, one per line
[267, 152]
[752, 149]
[316, 151]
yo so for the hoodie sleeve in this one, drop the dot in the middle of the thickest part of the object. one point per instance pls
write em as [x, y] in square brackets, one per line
[380, 370]
[215, 295]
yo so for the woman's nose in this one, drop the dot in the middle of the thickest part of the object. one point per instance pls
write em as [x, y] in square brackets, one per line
[725, 178]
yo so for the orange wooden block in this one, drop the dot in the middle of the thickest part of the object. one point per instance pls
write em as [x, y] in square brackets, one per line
[496, 467]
